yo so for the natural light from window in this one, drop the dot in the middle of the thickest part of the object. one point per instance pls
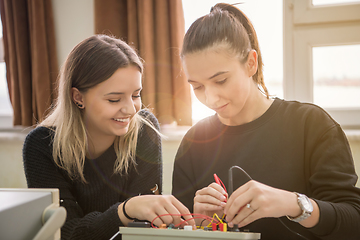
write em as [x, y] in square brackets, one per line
[336, 76]
[328, 2]
[5, 106]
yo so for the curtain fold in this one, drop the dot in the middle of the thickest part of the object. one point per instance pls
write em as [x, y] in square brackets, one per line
[156, 29]
[30, 57]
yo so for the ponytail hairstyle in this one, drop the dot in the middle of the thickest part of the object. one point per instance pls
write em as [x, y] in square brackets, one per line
[90, 63]
[227, 26]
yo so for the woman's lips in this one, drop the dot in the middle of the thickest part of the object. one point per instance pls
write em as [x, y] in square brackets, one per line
[219, 109]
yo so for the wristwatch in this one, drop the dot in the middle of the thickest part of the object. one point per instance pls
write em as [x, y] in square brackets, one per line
[306, 208]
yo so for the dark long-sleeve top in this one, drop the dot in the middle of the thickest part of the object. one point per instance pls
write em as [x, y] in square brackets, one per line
[293, 146]
[92, 207]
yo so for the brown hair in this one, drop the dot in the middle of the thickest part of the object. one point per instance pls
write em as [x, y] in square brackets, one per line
[225, 24]
[96, 58]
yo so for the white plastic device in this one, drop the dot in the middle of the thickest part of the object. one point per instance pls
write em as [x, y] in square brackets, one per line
[133, 233]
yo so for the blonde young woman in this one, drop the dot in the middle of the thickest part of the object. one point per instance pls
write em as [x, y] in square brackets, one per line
[299, 179]
[98, 147]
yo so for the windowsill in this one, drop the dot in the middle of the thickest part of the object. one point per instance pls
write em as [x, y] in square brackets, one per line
[352, 134]
[171, 133]
[15, 134]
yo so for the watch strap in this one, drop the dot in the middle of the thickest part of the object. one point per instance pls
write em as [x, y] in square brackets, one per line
[305, 214]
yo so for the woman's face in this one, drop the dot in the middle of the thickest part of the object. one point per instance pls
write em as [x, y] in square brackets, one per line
[109, 106]
[223, 84]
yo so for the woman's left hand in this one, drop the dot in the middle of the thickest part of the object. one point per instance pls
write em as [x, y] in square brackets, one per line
[255, 200]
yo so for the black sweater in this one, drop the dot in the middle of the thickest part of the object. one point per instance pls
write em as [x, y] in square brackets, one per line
[293, 146]
[92, 207]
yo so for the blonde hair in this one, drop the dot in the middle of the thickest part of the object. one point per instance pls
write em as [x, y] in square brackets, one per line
[91, 62]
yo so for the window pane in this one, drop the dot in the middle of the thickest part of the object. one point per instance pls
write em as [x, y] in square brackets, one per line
[327, 2]
[5, 106]
[270, 35]
[336, 75]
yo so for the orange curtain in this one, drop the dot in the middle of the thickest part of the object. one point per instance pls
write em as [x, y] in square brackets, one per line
[30, 57]
[156, 29]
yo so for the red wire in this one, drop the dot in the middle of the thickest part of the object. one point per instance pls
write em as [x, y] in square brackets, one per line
[181, 215]
[208, 218]
[218, 181]
[222, 184]
[195, 215]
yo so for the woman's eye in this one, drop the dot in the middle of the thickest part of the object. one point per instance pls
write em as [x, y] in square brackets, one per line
[222, 81]
[136, 96]
[114, 101]
[197, 87]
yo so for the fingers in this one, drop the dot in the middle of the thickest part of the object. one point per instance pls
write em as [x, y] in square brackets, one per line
[211, 198]
[167, 209]
[255, 200]
[184, 211]
[245, 216]
[238, 192]
[218, 188]
[208, 203]
[167, 214]
[237, 201]
[236, 206]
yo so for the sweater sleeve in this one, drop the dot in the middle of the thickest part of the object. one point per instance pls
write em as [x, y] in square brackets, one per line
[332, 185]
[42, 172]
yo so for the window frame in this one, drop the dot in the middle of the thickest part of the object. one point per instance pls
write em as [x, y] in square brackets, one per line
[307, 26]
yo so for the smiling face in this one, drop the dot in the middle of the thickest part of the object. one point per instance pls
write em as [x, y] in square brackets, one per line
[224, 84]
[109, 106]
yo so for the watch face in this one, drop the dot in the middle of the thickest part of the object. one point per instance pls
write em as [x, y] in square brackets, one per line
[307, 205]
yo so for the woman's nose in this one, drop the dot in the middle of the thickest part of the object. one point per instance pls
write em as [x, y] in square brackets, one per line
[128, 108]
[212, 97]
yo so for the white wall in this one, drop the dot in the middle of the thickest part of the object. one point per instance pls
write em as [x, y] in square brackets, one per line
[11, 166]
[74, 21]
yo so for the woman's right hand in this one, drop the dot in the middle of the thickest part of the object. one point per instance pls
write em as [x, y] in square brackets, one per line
[210, 200]
[149, 207]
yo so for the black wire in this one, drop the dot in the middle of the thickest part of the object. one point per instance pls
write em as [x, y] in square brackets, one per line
[231, 178]
[231, 190]
[293, 230]
[202, 222]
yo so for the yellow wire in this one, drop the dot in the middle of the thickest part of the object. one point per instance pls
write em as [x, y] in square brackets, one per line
[214, 216]
[218, 217]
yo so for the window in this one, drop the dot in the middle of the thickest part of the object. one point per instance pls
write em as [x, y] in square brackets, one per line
[321, 56]
[5, 105]
[270, 35]
[328, 2]
[336, 73]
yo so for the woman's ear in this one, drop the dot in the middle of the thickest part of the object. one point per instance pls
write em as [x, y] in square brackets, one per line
[77, 97]
[252, 63]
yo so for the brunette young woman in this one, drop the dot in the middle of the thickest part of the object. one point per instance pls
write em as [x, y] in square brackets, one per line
[98, 147]
[292, 169]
